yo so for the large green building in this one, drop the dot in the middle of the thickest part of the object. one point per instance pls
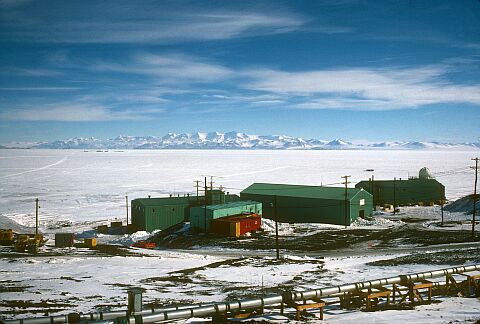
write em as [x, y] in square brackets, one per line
[149, 214]
[201, 219]
[310, 204]
[414, 191]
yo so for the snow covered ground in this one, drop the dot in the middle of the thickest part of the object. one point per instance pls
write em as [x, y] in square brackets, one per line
[79, 190]
[90, 186]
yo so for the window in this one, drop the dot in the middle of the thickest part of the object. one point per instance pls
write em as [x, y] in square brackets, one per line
[362, 202]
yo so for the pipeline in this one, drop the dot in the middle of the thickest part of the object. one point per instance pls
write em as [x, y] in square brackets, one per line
[222, 308]
[97, 317]
[175, 313]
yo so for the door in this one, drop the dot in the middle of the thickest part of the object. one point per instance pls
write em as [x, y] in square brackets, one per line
[361, 213]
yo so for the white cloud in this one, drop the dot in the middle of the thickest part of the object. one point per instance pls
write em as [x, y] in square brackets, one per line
[31, 72]
[76, 113]
[38, 88]
[368, 89]
[12, 3]
[168, 68]
[149, 22]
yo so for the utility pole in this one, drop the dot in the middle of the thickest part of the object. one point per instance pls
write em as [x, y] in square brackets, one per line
[373, 198]
[442, 201]
[126, 205]
[475, 197]
[211, 182]
[394, 196]
[205, 207]
[36, 217]
[197, 185]
[276, 227]
[346, 198]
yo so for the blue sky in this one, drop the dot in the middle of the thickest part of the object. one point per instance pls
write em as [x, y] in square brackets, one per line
[356, 70]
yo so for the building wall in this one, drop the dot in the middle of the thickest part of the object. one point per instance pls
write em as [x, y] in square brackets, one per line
[137, 212]
[312, 210]
[161, 216]
[361, 204]
[407, 192]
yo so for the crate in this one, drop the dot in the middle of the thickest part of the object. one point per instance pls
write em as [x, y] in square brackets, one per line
[90, 243]
[102, 229]
[64, 239]
[116, 224]
[131, 228]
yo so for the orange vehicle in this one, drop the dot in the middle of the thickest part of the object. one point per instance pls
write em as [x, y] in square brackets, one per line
[144, 245]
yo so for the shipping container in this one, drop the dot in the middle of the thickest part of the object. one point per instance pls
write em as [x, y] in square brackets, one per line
[236, 226]
[116, 224]
[90, 243]
[64, 239]
[102, 229]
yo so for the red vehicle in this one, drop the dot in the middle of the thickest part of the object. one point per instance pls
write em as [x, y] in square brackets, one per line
[144, 245]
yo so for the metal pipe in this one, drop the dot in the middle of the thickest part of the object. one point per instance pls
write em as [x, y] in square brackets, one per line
[301, 295]
[169, 313]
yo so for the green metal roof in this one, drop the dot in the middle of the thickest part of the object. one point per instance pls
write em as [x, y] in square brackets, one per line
[165, 201]
[177, 200]
[408, 181]
[231, 205]
[300, 191]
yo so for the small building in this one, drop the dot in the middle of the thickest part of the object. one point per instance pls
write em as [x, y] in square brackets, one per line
[310, 204]
[149, 214]
[423, 190]
[236, 226]
[201, 218]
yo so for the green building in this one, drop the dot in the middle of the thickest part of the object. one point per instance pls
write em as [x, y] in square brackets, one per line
[310, 204]
[414, 191]
[201, 219]
[149, 214]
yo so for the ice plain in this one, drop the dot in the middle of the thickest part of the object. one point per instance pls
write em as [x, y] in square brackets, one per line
[81, 189]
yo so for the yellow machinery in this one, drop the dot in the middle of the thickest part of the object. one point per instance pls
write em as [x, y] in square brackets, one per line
[6, 237]
[26, 243]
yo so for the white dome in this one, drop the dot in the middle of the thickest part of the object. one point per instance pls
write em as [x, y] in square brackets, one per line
[425, 173]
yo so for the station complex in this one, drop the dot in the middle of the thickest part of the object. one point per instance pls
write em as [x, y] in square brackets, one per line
[232, 215]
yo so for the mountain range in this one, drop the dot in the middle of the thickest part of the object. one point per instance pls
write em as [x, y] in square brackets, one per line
[230, 140]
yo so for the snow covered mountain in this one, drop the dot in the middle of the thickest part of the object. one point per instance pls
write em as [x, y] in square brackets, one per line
[235, 140]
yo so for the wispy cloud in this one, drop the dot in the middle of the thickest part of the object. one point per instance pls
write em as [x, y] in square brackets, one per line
[12, 3]
[145, 22]
[168, 68]
[31, 72]
[54, 89]
[68, 112]
[364, 88]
